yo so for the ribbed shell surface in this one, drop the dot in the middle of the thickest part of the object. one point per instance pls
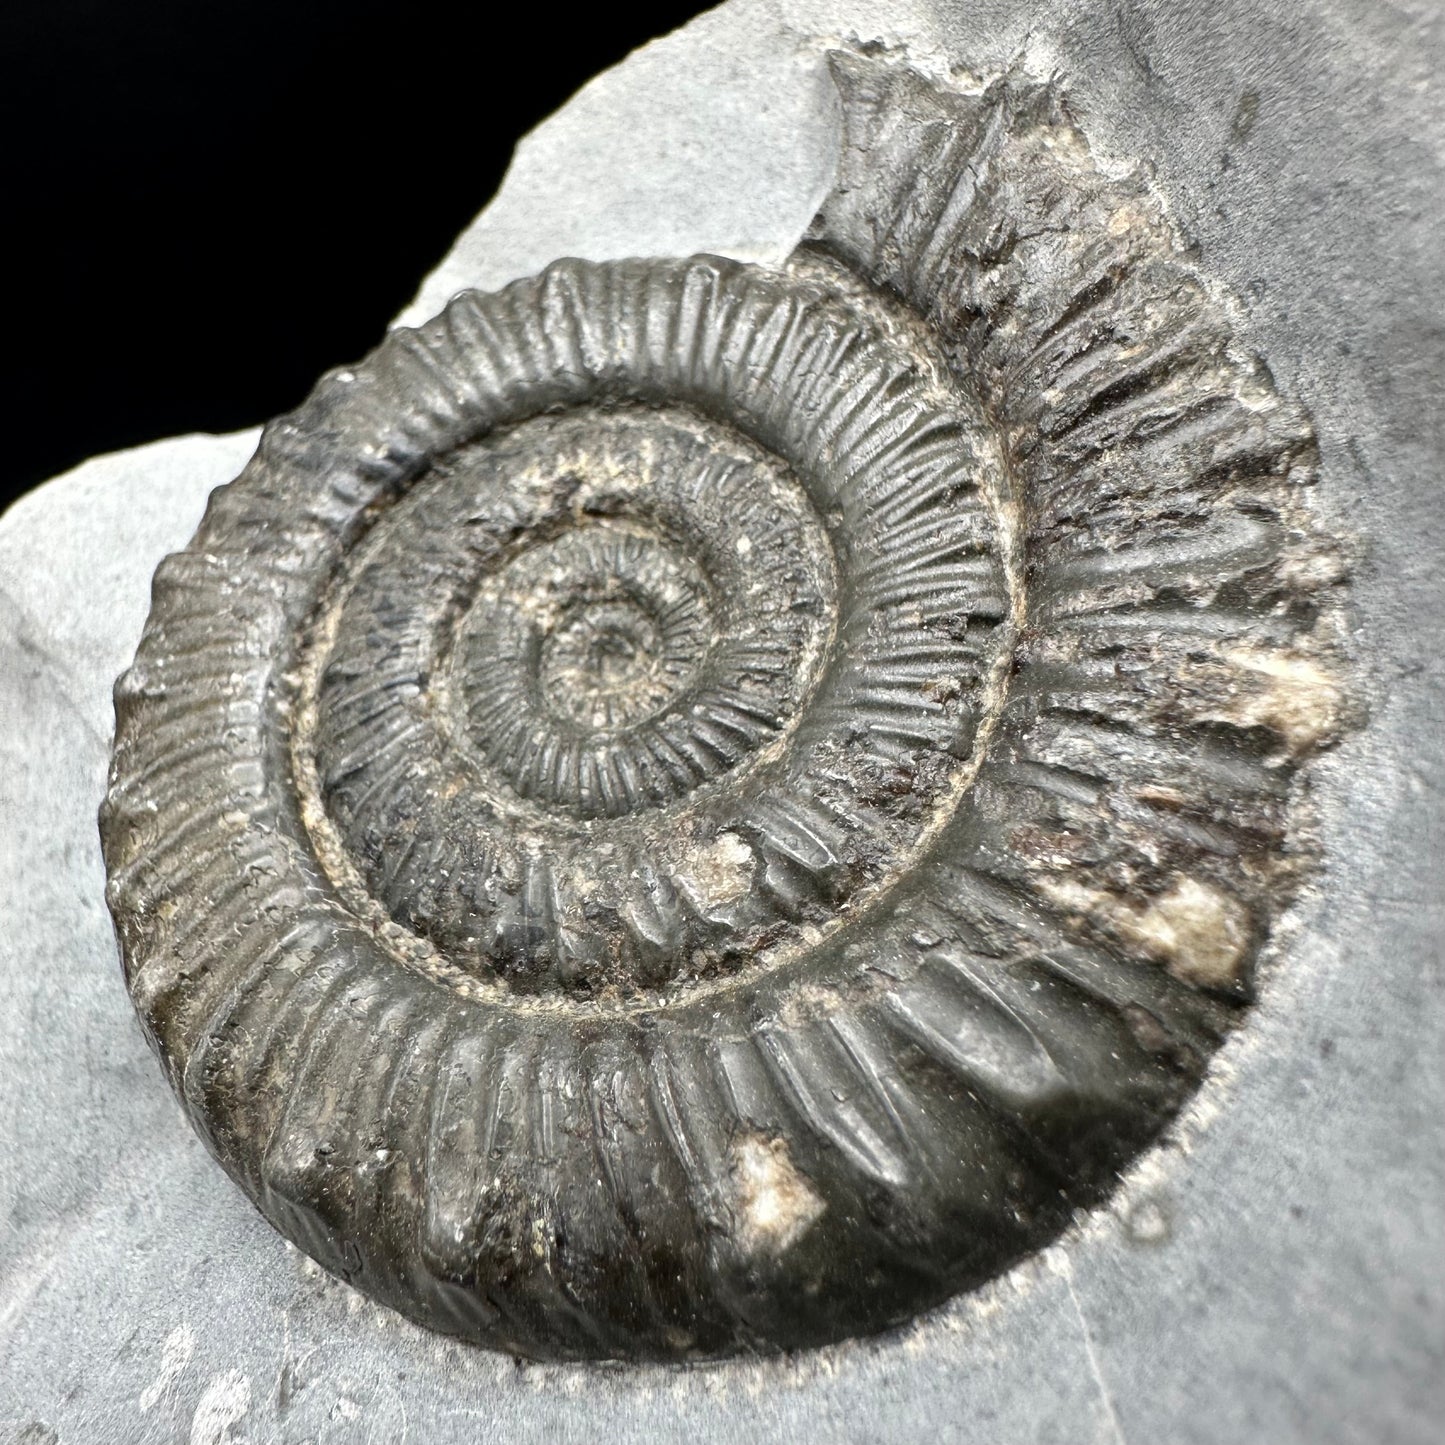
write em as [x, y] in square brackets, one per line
[905, 895]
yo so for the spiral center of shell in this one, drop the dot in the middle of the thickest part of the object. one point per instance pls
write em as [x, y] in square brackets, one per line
[591, 633]
[602, 666]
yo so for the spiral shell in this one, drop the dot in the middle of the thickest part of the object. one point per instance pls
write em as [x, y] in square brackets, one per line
[684, 807]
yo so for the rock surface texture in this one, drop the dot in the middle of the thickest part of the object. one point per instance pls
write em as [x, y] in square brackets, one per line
[920, 896]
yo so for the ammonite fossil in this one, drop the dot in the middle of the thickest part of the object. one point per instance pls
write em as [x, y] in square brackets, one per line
[684, 807]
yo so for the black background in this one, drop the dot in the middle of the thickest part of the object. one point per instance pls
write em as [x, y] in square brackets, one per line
[209, 202]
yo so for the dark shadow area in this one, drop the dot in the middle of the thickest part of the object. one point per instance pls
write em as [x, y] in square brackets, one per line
[211, 204]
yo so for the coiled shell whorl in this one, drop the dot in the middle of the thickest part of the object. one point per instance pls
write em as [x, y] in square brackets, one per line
[683, 807]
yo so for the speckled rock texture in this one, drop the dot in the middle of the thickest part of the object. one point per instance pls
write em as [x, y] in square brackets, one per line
[1267, 1271]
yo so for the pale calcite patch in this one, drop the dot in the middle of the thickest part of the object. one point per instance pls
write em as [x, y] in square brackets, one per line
[1199, 933]
[1287, 693]
[718, 873]
[1195, 929]
[773, 1202]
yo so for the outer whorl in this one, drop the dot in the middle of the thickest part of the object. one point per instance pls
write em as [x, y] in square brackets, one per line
[682, 807]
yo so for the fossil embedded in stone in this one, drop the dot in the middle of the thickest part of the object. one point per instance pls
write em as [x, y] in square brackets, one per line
[685, 807]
